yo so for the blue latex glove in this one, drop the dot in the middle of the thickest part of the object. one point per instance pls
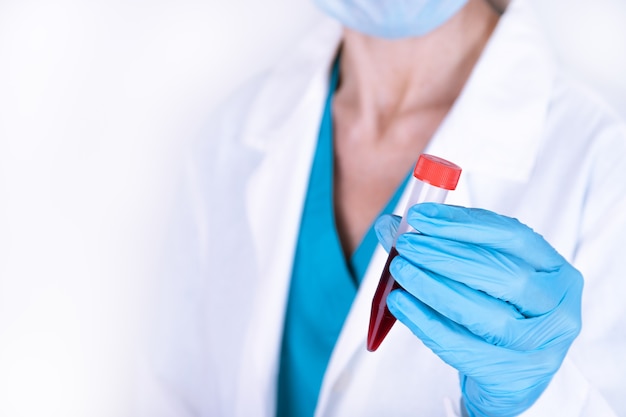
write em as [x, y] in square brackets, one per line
[490, 297]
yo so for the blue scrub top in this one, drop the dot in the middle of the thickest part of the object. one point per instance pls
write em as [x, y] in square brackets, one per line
[323, 283]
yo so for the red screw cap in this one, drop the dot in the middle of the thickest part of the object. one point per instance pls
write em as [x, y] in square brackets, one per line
[437, 171]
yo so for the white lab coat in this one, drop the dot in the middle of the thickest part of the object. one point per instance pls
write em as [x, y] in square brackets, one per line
[532, 145]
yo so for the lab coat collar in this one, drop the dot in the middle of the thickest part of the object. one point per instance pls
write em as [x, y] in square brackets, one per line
[495, 126]
[294, 90]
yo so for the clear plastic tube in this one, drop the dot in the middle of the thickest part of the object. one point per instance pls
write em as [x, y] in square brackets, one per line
[434, 178]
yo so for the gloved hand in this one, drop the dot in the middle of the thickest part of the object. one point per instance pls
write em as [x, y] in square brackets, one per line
[490, 297]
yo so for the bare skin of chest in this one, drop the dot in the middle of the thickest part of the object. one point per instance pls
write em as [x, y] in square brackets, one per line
[370, 167]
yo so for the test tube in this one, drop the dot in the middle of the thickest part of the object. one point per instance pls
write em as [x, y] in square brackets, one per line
[434, 178]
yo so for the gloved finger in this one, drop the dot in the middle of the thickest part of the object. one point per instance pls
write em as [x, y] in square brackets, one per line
[453, 343]
[497, 322]
[386, 227]
[495, 371]
[487, 229]
[500, 275]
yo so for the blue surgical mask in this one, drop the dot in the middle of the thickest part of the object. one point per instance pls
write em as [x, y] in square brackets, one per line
[392, 19]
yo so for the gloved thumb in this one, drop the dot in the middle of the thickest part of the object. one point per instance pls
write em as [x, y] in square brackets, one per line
[386, 227]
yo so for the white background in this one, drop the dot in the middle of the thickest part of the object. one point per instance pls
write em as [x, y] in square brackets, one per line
[96, 98]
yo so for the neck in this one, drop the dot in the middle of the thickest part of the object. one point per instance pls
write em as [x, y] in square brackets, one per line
[383, 78]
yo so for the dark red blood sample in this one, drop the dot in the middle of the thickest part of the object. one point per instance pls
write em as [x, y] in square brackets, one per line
[381, 319]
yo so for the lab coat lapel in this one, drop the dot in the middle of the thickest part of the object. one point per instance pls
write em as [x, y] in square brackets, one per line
[495, 125]
[285, 129]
